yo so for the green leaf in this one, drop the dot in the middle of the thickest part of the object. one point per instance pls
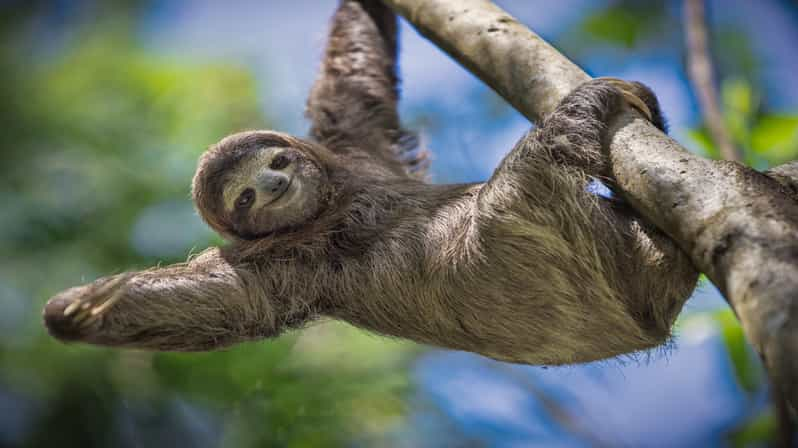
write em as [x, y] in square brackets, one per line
[701, 137]
[759, 431]
[613, 25]
[737, 96]
[775, 137]
[624, 24]
[738, 106]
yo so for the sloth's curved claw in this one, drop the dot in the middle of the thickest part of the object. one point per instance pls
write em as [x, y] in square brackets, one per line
[70, 313]
[627, 89]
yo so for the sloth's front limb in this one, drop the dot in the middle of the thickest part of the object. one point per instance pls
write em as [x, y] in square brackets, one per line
[566, 151]
[575, 133]
[353, 103]
[602, 275]
[355, 95]
[200, 305]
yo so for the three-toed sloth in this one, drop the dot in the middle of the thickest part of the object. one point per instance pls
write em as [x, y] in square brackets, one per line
[528, 267]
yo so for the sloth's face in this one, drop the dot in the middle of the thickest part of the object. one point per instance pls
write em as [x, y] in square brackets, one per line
[254, 183]
[271, 188]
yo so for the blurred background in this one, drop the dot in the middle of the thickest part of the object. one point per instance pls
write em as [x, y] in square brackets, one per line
[106, 106]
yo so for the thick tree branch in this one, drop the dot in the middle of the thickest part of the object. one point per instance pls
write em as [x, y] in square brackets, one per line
[738, 226]
[702, 76]
[505, 54]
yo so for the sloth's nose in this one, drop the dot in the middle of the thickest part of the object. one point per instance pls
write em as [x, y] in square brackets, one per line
[273, 183]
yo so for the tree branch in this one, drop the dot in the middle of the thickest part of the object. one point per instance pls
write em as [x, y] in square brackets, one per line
[505, 54]
[738, 226]
[702, 76]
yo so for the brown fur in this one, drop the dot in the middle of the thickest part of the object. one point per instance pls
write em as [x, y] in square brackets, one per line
[528, 267]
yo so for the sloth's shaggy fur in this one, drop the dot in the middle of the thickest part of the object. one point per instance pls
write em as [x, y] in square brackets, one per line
[529, 267]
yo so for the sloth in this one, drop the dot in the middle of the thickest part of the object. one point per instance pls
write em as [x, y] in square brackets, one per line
[529, 267]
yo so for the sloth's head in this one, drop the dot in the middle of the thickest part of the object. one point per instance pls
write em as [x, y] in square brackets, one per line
[252, 184]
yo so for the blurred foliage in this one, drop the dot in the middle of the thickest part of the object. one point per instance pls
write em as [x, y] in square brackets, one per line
[732, 51]
[758, 432]
[759, 428]
[747, 367]
[775, 137]
[625, 23]
[757, 425]
[99, 145]
[767, 139]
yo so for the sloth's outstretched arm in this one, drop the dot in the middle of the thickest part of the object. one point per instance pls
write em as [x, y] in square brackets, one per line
[200, 305]
[352, 104]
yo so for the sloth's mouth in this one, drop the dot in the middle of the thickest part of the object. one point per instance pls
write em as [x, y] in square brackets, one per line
[282, 193]
[284, 199]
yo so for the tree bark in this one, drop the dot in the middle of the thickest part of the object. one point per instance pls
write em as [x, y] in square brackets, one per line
[739, 226]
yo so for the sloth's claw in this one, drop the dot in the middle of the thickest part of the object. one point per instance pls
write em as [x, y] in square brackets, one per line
[69, 314]
[105, 291]
[99, 309]
[81, 316]
[72, 307]
[627, 89]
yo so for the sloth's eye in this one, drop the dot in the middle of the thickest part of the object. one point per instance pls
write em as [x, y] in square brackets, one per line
[279, 162]
[246, 198]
